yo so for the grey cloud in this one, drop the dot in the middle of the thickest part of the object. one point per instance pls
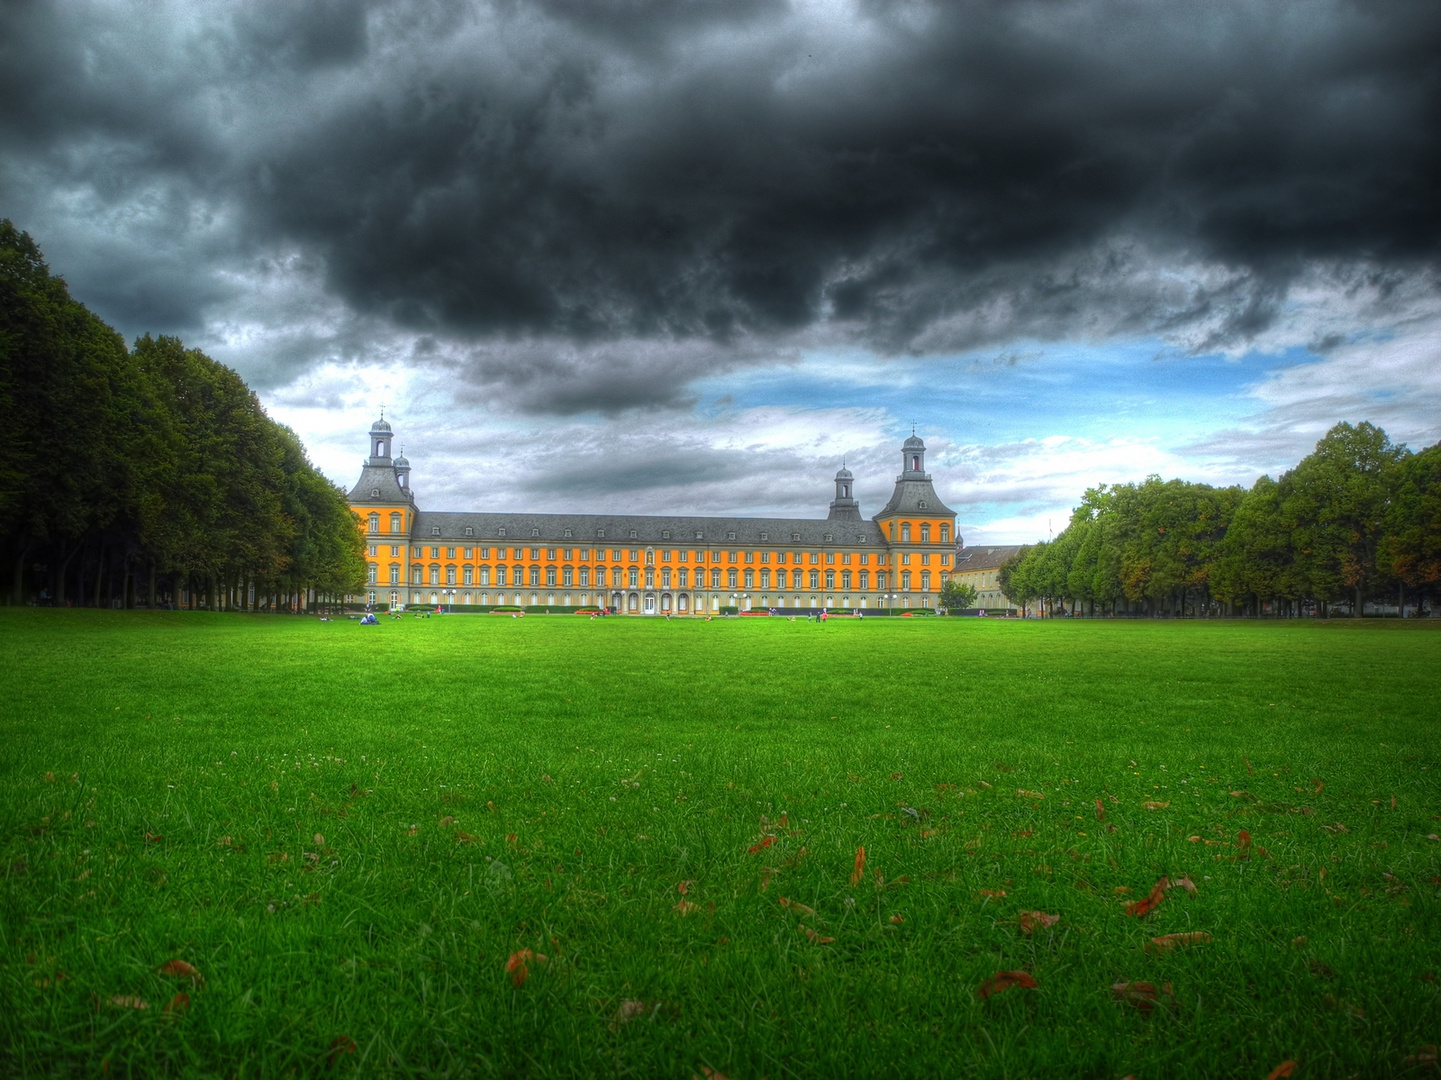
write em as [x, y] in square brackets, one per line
[601, 201]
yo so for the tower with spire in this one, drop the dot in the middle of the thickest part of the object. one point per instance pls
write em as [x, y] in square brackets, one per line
[844, 506]
[385, 506]
[918, 528]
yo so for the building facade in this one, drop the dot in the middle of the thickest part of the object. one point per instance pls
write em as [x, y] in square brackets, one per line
[654, 565]
[981, 567]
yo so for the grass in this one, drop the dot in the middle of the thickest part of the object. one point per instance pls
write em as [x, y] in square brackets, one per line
[297, 776]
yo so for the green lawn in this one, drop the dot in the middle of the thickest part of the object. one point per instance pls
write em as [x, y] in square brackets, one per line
[269, 799]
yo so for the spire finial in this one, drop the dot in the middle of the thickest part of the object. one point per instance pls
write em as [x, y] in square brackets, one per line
[382, 410]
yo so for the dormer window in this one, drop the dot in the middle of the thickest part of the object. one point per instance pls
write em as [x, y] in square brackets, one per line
[665, 534]
[567, 532]
[765, 536]
[828, 538]
[435, 530]
[700, 536]
[632, 534]
[469, 531]
[375, 493]
[500, 531]
[861, 539]
[600, 534]
[730, 536]
[921, 505]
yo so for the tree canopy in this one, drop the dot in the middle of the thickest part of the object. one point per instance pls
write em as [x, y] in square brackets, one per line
[151, 468]
[1359, 519]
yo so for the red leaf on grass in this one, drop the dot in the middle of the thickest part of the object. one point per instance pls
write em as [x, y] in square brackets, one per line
[339, 1047]
[463, 837]
[178, 1004]
[896, 920]
[1243, 842]
[517, 967]
[682, 887]
[153, 838]
[1142, 995]
[860, 870]
[179, 969]
[1166, 942]
[1281, 1071]
[1151, 900]
[1004, 980]
[766, 841]
[1320, 785]
[708, 1073]
[1100, 810]
[816, 938]
[685, 907]
[1032, 920]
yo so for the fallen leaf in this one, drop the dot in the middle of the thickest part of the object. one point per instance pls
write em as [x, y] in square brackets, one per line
[178, 1004]
[1184, 883]
[1320, 969]
[464, 837]
[1142, 995]
[1299, 942]
[1100, 810]
[1022, 834]
[511, 839]
[895, 776]
[1243, 843]
[815, 938]
[1031, 920]
[339, 1047]
[179, 969]
[1248, 763]
[319, 840]
[1320, 786]
[1004, 980]
[1167, 942]
[682, 887]
[766, 841]
[708, 1073]
[1285, 1069]
[1155, 805]
[1425, 1058]
[1152, 899]
[797, 906]
[631, 1008]
[685, 907]
[896, 920]
[1023, 793]
[517, 967]
[153, 838]
[994, 893]
[129, 1001]
[446, 822]
[860, 869]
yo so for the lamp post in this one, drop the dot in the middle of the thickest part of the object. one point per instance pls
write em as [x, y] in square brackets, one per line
[451, 594]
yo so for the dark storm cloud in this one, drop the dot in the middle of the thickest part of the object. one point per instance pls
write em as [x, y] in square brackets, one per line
[616, 181]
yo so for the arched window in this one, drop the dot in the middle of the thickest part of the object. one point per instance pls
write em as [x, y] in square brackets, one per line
[906, 533]
[945, 534]
[375, 523]
[925, 534]
[915, 463]
[395, 523]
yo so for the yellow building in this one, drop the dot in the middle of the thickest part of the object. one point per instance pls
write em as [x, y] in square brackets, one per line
[654, 565]
[980, 567]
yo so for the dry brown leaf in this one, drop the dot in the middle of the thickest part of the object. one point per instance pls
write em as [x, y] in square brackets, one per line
[1425, 1058]
[993, 893]
[518, 966]
[1142, 995]
[179, 969]
[683, 887]
[1032, 920]
[1150, 902]
[1023, 793]
[815, 938]
[707, 1073]
[446, 821]
[340, 1046]
[798, 907]
[685, 907]
[1193, 839]
[860, 870]
[153, 838]
[178, 1004]
[766, 841]
[1243, 843]
[1100, 810]
[896, 920]
[1184, 883]
[129, 1001]
[1166, 942]
[1004, 980]
[463, 837]
[1281, 1071]
[1320, 786]
[1155, 805]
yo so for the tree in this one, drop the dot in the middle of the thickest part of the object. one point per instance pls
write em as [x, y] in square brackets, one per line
[1411, 550]
[957, 595]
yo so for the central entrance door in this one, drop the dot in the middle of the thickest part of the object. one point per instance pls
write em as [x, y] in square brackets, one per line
[650, 603]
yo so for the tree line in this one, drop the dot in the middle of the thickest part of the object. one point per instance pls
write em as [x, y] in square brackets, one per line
[150, 475]
[1357, 521]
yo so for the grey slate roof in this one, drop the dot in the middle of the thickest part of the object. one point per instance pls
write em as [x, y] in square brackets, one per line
[379, 478]
[714, 531]
[986, 557]
[908, 496]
